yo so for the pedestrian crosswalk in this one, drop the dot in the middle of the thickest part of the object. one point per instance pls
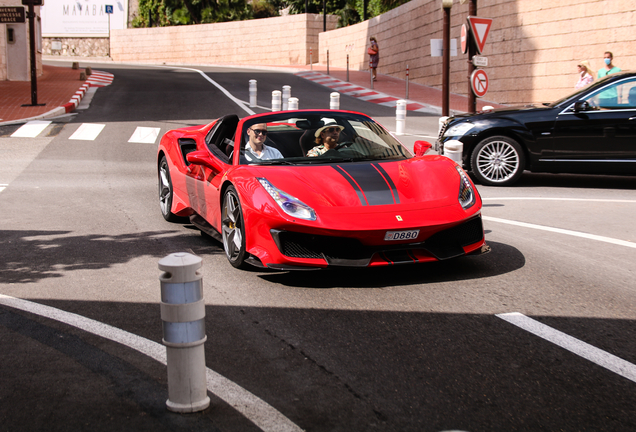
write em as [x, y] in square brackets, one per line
[88, 132]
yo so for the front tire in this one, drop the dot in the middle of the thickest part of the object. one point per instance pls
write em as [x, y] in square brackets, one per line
[233, 229]
[497, 161]
[165, 193]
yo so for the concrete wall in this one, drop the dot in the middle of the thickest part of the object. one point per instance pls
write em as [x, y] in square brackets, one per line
[533, 46]
[282, 40]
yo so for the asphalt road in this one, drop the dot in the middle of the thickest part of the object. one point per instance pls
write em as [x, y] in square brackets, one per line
[416, 348]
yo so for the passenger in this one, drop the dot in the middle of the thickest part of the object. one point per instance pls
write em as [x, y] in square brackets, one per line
[256, 149]
[327, 139]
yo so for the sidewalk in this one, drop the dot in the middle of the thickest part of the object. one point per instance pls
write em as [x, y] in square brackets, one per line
[57, 86]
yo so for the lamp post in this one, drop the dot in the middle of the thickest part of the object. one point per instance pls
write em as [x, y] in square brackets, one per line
[446, 6]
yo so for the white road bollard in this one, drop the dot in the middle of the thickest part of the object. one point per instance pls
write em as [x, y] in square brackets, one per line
[293, 103]
[334, 101]
[252, 93]
[286, 96]
[183, 316]
[276, 100]
[453, 149]
[400, 117]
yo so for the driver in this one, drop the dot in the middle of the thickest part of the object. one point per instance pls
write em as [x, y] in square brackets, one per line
[256, 148]
[327, 139]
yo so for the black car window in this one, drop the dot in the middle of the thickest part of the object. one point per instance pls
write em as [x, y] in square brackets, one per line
[618, 95]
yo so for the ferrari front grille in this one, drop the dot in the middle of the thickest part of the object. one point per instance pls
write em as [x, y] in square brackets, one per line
[344, 251]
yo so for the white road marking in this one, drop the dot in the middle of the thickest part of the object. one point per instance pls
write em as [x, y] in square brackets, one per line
[576, 346]
[31, 129]
[87, 132]
[217, 85]
[561, 199]
[146, 135]
[563, 231]
[254, 409]
[3, 187]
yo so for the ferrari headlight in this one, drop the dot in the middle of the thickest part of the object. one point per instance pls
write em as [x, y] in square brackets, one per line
[466, 192]
[288, 203]
[460, 129]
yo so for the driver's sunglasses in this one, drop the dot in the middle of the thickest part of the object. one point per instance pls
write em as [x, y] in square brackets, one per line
[332, 129]
[259, 131]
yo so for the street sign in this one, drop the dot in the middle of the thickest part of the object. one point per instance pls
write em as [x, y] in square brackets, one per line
[12, 14]
[33, 2]
[480, 27]
[464, 39]
[480, 61]
[479, 82]
[109, 9]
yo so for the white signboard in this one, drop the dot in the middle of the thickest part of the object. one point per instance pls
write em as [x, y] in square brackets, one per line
[82, 18]
[437, 47]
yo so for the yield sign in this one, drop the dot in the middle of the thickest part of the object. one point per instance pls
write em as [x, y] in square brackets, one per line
[480, 27]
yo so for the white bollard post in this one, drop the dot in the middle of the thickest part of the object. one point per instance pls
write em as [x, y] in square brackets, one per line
[286, 96]
[293, 103]
[252, 93]
[276, 100]
[183, 316]
[334, 101]
[453, 149]
[400, 117]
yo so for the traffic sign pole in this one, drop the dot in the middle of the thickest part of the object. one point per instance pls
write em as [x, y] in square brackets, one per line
[34, 66]
[472, 50]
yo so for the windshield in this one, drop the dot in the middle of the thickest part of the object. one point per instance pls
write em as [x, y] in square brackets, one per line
[596, 84]
[301, 138]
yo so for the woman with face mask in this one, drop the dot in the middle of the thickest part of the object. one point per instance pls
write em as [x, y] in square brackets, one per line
[609, 67]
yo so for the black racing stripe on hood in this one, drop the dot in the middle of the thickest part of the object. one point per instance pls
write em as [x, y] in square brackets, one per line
[371, 182]
[389, 180]
[363, 199]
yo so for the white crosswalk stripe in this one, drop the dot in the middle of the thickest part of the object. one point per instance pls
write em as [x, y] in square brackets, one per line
[145, 135]
[31, 129]
[87, 132]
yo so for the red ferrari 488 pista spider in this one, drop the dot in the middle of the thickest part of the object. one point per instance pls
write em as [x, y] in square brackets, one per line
[312, 189]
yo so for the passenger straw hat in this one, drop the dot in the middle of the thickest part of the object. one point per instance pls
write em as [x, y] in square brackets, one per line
[319, 131]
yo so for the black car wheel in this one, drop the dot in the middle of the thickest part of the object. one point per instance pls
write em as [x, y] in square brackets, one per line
[233, 229]
[165, 193]
[497, 161]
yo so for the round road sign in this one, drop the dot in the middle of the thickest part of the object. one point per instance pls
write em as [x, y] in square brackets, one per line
[479, 82]
[464, 39]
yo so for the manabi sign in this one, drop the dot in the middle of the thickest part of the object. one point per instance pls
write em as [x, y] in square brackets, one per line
[12, 14]
[87, 18]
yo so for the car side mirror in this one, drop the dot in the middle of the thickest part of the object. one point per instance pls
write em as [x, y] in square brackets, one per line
[201, 157]
[581, 106]
[421, 147]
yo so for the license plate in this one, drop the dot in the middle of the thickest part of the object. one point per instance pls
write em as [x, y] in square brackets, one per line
[401, 235]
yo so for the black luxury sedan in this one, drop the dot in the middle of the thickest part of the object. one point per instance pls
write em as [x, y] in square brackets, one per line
[592, 131]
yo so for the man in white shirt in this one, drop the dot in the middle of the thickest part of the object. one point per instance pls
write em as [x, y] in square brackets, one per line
[256, 149]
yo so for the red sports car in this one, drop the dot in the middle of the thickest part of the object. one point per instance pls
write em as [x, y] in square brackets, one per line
[298, 190]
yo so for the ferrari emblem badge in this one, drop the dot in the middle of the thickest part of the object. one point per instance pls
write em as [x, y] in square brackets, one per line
[399, 218]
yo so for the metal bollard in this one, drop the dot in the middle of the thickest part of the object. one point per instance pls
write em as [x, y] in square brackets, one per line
[371, 77]
[293, 103]
[286, 96]
[75, 65]
[89, 71]
[334, 101]
[407, 82]
[253, 93]
[347, 67]
[276, 100]
[183, 316]
[327, 62]
[311, 61]
[400, 117]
